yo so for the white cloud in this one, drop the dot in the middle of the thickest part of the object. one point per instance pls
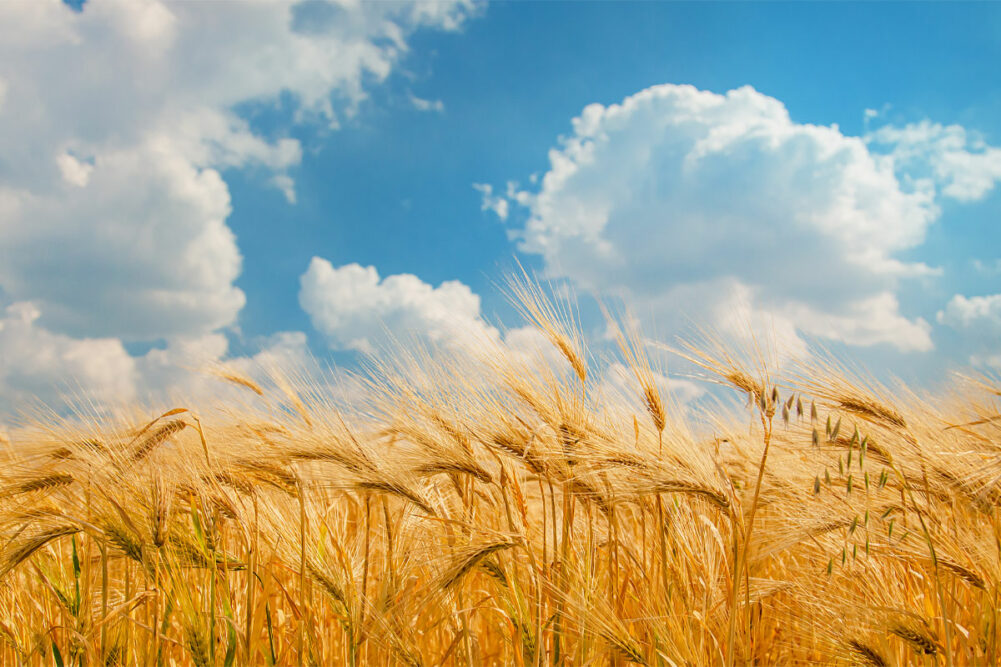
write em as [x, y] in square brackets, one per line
[978, 320]
[116, 123]
[964, 312]
[141, 252]
[184, 369]
[702, 206]
[427, 105]
[959, 162]
[619, 381]
[490, 201]
[56, 369]
[987, 268]
[73, 170]
[355, 309]
[864, 322]
[39, 363]
[135, 99]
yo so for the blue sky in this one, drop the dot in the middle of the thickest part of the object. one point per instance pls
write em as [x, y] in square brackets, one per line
[824, 171]
[392, 189]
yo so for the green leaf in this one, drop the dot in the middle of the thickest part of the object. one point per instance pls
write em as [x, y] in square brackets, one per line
[272, 659]
[76, 560]
[230, 647]
[76, 580]
[198, 528]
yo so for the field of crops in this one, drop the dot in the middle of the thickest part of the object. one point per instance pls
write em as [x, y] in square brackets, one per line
[494, 508]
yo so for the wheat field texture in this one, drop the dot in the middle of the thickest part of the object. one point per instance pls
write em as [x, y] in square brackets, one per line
[494, 508]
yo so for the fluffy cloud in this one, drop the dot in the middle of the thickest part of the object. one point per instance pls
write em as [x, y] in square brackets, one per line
[117, 122]
[965, 312]
[698, 205]
[185, 369]
[619, 381]
[141, 251]
[490, 201]
[40, 363]
[957, 161]
[978, 320]
[355, 309]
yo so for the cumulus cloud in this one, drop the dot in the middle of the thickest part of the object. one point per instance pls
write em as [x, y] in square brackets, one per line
[618, 380]
[47, 365]
[355, 309]
[40, 365]
[141, 252]
[978, 320]
[699, 206]
[117, 120]
[117, 123]
[187, 368]
[959, 162]
[965, 312]
[490, 201]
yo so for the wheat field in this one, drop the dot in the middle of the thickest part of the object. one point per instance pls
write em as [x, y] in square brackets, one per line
[487, 507]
